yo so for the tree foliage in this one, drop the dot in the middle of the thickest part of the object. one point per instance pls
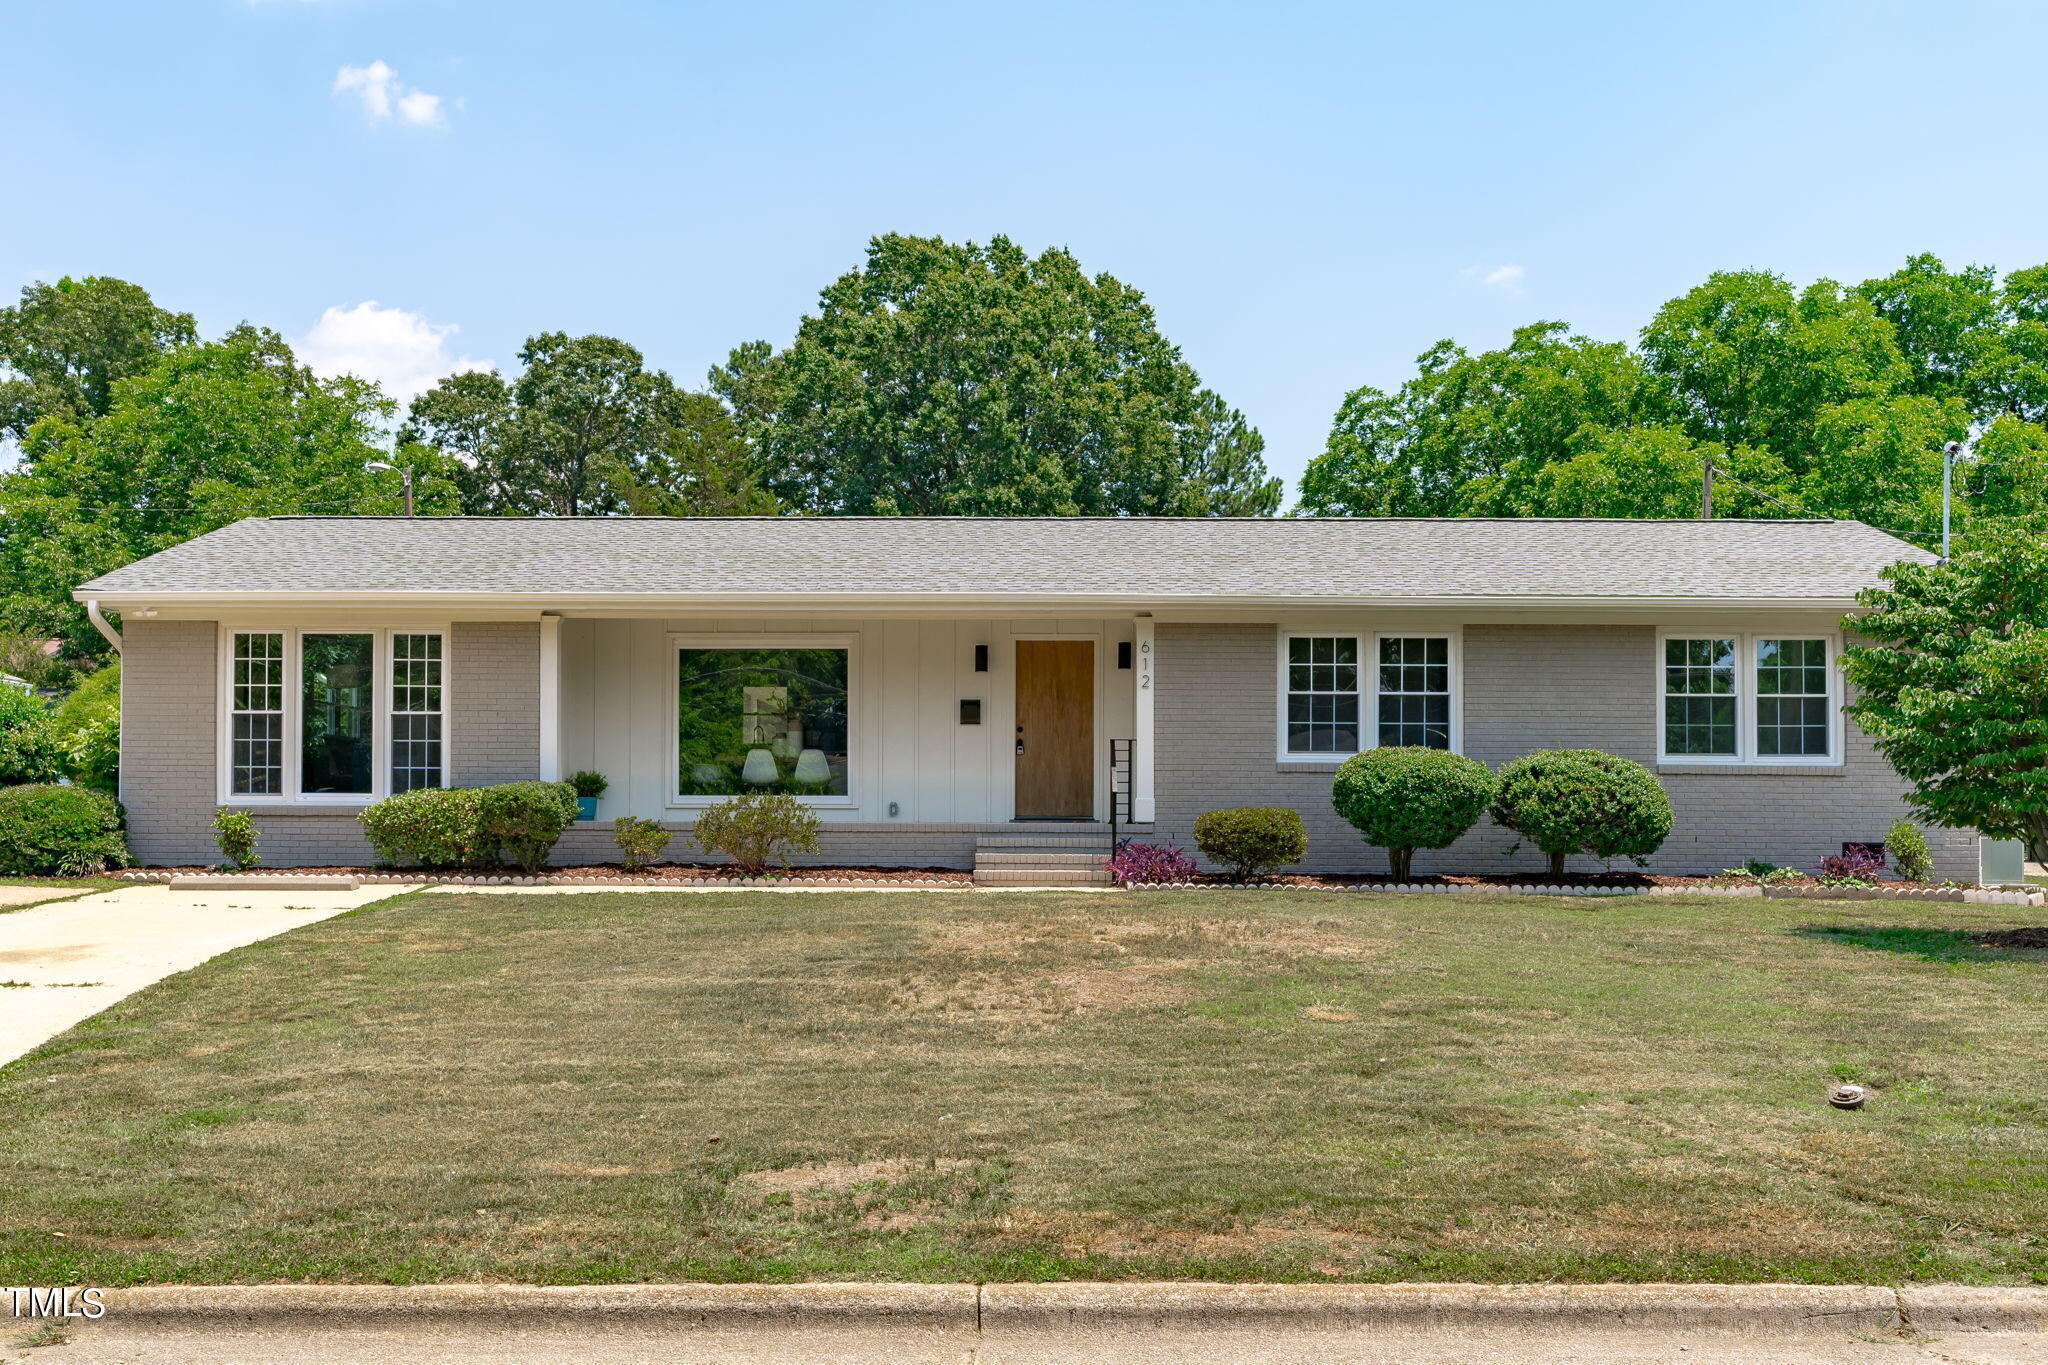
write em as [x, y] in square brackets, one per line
[946, 378]
[1830, 399]
[1952, 680]
[1568, 801]
[210, 433]
[65, 346]
[1405, 798]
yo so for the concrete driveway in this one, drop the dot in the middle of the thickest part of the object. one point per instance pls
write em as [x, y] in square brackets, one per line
[64, 962]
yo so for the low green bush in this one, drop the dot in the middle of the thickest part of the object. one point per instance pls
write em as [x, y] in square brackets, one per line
[235, 835]
[1405, 798]
[640, 841]
[1252, 840]
[758, 828]
[430, 827]
[1568, 801]
[1908, 849]
[525, 819]
[52, 831]
[32, 748]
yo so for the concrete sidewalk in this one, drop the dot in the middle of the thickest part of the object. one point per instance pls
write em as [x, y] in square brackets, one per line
[68, 961]
[1064, 1324]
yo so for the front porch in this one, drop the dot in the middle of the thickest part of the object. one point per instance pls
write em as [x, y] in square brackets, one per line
[922, 732]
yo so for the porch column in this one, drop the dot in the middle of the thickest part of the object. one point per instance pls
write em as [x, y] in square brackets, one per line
[550, 698]
[1143, 807]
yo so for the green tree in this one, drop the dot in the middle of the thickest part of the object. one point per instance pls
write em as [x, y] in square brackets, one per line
[1469, 432]
[1650, 472]
[2010, 477]
[1753, 363]
[578, 425]
[969, 379]
[1879, 459]
[1951, 681]
[1949, 326]
[65, 345]
[210, 434]
[701, 470]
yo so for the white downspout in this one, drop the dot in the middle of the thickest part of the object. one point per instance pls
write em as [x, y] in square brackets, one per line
[101, 624]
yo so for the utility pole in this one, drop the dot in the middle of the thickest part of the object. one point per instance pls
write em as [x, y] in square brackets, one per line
[1707, 491]
[1949, 455]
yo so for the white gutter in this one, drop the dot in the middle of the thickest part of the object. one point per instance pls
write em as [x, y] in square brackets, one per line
[101, 624]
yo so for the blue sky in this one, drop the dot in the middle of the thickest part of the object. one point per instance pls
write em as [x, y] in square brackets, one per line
[1310, 194]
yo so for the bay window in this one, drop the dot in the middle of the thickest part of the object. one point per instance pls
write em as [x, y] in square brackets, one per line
[1335, 703]
[1741, 698]
[332, 715]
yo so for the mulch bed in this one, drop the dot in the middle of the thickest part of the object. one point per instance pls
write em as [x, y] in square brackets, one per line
[661, 872]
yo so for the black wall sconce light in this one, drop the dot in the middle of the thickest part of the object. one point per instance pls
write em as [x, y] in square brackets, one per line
[981, 658]
[1123, 653]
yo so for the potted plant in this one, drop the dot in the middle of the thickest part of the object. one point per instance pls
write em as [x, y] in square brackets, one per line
[588, 787]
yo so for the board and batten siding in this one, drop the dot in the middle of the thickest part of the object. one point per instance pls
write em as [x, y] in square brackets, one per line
[909, 747]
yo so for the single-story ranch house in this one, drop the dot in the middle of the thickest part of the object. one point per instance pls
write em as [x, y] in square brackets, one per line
[942, 686]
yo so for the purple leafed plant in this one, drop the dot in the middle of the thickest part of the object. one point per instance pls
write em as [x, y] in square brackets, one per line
[1134, 862]
[1858, 864]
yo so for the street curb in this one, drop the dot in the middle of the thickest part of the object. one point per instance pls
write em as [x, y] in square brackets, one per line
[1750, 1310]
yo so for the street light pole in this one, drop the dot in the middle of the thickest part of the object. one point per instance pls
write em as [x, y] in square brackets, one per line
[1948, 474]
[404, 474]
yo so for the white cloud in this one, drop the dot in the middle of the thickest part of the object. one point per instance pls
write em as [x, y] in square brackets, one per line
[1508, 277]
[402, 351]
[383, 95]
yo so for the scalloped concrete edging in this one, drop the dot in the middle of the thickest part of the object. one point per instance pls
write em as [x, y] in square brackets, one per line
[281, 880]
[1954, 895]
[1027, 1310]
[1439, 889]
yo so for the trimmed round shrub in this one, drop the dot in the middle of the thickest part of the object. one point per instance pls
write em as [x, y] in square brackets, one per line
[1405, 798]
[431, 827]
[1568, 801]
[758, 827]
[51, 831]
[234, 834]
[1252, 840]
[525, 819]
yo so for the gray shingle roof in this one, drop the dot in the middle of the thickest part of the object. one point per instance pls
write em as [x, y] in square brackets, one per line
[1122, 558]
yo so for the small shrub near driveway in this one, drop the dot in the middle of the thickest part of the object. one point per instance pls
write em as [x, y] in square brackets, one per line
[640, 841]
[431, 827]
[758, 828]
[1135, 862]
[1908, 849]
[51, 831]
[1406, 798]
[1568, 801]
[1252, 840]
[525, 819]
[235, 835]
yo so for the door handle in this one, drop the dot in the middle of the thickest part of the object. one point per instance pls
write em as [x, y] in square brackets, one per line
[1020, 739]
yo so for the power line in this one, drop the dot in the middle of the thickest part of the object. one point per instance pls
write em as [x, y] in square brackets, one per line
[1720, 474]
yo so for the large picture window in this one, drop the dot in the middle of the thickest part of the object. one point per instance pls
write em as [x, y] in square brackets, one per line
[332, 715]
[1735, 698]
[762, 719]
[1344, 693]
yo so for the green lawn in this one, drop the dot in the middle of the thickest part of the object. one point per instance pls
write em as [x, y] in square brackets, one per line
[1262, 1085]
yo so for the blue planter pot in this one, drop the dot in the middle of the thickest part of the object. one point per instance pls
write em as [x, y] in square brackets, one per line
[586, 808]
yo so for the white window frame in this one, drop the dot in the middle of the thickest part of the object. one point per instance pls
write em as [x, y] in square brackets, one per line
[294, 705]
[1746, 755]
[856, 718]
[1369, 686]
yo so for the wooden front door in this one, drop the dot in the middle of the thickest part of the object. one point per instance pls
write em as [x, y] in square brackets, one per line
[1056, 729]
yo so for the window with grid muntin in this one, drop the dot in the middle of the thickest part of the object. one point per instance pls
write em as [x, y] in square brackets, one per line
[1792, 713]
[1322, 694]
[1701, 714]
[416, 717]
[1415, 691]
[256, 715]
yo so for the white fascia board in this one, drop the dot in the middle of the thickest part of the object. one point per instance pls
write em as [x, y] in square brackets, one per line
[697, 604]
